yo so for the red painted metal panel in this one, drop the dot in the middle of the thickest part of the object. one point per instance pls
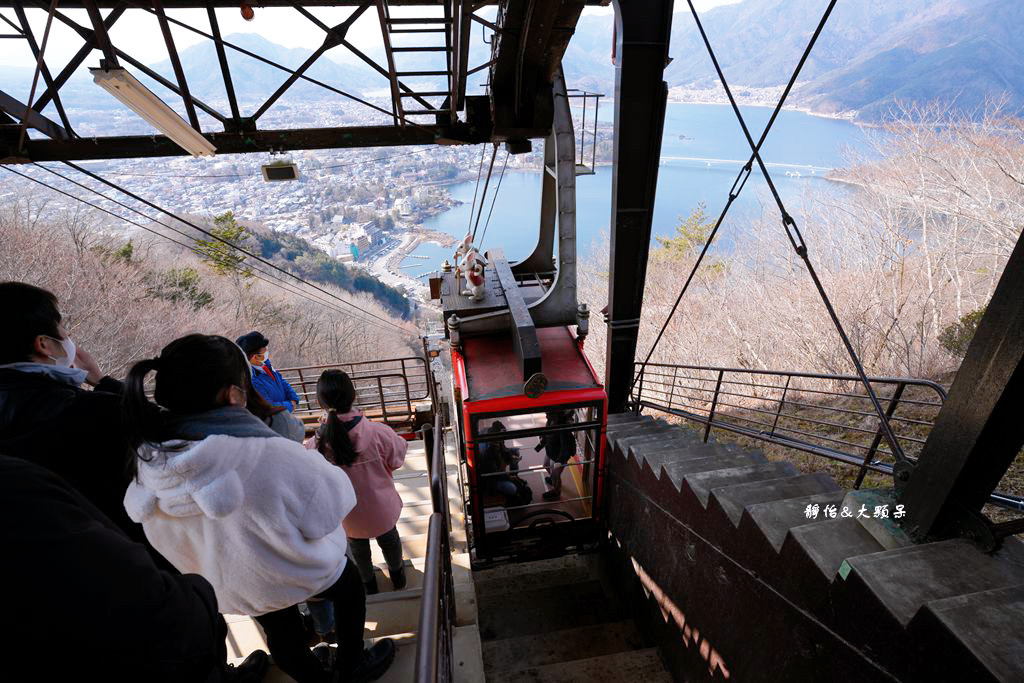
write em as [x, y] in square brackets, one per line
[493, 368]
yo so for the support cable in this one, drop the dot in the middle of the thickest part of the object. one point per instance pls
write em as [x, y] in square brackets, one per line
[797, 241]
[737, 185]
[274, 282]
[483, 196]
[494, 199]
[229, 244]
[479, 174]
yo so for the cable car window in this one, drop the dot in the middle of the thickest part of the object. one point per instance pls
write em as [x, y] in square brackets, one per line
[535, 466]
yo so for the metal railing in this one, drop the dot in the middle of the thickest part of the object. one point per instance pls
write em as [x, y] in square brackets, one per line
[437, 607]
[388, 388]
[823, 414]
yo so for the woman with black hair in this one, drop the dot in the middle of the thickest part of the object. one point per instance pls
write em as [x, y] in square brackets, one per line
[222, 495]
[369, 452]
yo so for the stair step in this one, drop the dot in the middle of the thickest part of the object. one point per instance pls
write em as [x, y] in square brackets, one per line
[512, 585]
[667, 456]
[638, 665]
[520, 652]
[828, 542]
[403, 668]
[388, 617]
[415, 547]
[615, 419]
[733, 499]
[701, 483]
[519, 569]
[545, 610]
[973, 637]
[461, 573]
[939, 570]
[775, 518]
[676, 471]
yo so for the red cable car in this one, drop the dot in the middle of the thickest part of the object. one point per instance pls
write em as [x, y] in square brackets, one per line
[531, 411]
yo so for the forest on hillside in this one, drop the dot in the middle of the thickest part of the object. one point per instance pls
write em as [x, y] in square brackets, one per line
[125, 300]
[909, 257]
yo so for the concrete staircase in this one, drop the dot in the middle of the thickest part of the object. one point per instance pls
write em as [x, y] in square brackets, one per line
[556, 621]
[395, 614]
[724, 533]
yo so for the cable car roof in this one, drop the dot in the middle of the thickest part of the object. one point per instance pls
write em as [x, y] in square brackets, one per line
[493, 367]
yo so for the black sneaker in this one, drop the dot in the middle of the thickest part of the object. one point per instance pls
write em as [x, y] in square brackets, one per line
[252, 669]
[551, 495]
[326, 654]
[547, 480]
[398, 580]
[371, 586]
[374, 663]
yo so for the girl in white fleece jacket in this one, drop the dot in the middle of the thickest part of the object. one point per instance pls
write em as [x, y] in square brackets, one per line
[220, 494]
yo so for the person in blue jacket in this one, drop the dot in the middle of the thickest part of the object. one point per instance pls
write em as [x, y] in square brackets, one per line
[266, 380]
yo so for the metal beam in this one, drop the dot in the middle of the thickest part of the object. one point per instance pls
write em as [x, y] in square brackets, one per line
[225, 70]
[233, 4]
[979, 430]
[642, 30]
[76, 61]
[19, 9]
[34, 120]
[99, 28]
[137, 146]
[179, 73]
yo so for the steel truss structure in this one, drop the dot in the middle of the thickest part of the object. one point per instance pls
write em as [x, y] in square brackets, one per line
[529, 39]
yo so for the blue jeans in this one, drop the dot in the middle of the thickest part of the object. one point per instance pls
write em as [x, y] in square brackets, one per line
[322, 612]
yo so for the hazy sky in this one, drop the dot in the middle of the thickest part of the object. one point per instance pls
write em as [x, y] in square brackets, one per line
[138, 33]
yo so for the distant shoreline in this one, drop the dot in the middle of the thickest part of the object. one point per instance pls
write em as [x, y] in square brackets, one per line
[750, 97]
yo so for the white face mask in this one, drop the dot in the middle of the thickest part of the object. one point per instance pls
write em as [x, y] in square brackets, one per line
[69, 352]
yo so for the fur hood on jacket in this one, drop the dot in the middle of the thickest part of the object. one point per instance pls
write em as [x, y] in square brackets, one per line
[259, 518]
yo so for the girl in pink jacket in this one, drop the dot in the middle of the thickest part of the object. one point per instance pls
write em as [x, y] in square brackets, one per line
[369, 453]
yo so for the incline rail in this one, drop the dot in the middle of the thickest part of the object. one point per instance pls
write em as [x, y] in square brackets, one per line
[437, 607]
[385, 389]
[826, 415]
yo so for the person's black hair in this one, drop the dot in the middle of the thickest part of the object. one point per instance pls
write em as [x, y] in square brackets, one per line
[191, 373]
[252, 342]
[336, 394]
[29, 311]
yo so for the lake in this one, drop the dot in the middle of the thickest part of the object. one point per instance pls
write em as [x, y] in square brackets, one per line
[702, 151]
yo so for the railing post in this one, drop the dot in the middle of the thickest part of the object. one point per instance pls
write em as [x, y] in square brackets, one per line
[672, 389]
[302, 383]
[639, 390]
[427, 434]
[714, 403]
[890, 409]
[778, 413]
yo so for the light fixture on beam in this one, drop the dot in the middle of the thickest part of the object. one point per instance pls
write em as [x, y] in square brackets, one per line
[140, 99]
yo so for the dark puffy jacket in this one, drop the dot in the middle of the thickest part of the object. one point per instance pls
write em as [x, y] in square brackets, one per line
[82, 601]
[73, 432]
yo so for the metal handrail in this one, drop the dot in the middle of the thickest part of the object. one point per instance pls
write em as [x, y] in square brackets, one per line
[437, 606]
[391, 385]
[785, 413]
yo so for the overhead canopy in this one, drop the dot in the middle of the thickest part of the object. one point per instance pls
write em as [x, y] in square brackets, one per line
[526, 49]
